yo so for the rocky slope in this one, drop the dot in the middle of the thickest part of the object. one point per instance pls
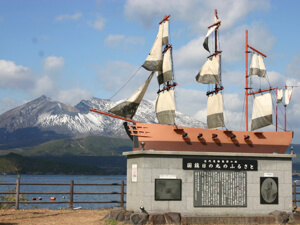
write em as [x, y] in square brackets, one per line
[43, 118]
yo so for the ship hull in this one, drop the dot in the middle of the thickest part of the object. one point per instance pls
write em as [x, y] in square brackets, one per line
[174, 138]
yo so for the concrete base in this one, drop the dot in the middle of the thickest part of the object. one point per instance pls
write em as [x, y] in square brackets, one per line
[143, 167]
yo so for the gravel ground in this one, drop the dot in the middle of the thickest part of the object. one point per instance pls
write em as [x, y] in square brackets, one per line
[47, 216]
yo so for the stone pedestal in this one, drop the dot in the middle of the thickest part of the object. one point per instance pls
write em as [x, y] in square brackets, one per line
[202, 183]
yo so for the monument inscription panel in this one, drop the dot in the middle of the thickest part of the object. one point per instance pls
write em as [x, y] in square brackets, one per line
[220, 188]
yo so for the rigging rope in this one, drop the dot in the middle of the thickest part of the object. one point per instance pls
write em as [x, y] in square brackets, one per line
[125, 83]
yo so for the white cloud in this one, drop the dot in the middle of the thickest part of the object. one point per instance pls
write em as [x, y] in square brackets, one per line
[232, 44]
[186, 77]
[50, 87]
[99, 4]
[190, 101]
[293, 109]
[233, 11]
[197, 14]
[114, 40]
[190, 55]
[53, 63]
[15, 76]
[201, 115]
[233, 101]
[233, 41]
[124, 42]
[135, 41]
[122, 79]
[75, 16]
[22, 78]
[8, 104]
[116, 73]
[73, 96]
[293, 68]
[44, 86]
[98, 24]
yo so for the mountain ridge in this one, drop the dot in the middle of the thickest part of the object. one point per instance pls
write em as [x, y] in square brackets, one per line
[47, 119]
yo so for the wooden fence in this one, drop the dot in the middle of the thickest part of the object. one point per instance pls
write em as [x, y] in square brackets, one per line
[295, 193]
[71, 193]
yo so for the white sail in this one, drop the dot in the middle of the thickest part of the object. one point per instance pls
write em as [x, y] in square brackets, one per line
[154, 59]
[262, 111]
[165, 107]
[215, 117]
[209, 73]
[165, 38]
[279, 96]
[257, 66]
[167, 72]
[287, 96]
[212, 29]
[129, 107]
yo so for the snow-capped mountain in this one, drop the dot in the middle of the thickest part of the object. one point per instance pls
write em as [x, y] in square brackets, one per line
[47, 115]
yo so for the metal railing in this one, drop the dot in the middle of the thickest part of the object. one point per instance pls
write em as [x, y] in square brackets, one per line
[71, 193]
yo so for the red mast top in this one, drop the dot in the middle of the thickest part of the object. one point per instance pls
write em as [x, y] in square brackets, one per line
[166, 18]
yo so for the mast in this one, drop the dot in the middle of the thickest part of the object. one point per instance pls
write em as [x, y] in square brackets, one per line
[276, 107]
[217, 24]
[246, 77]
[210, 73]
[285, 87]
[216, 41]
[165, 100]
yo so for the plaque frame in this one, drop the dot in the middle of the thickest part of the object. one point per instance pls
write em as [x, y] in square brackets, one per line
[269, 190]
[168, 190]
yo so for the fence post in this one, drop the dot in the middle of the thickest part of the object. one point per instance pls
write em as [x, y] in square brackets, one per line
[294, 194]
[71, 194]
[17, 193]
[122, 193]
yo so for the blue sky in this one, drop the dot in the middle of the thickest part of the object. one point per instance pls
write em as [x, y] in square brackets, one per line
[71, 50]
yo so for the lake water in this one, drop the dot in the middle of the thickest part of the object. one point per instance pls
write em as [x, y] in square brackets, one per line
[59, 188]
[64, 197]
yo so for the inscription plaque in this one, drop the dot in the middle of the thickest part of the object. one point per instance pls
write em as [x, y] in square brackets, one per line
[220, 188]
[216, 163]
